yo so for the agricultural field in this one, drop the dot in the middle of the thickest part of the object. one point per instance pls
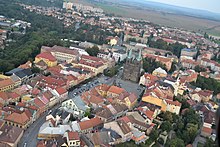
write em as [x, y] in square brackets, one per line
[162, 18]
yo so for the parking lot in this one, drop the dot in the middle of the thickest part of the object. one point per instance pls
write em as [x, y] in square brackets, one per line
[93, 83]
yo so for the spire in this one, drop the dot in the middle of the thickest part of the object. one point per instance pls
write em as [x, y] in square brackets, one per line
[130, 54]
[140, 55]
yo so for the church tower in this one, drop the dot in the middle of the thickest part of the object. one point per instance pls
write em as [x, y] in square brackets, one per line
[132, 67]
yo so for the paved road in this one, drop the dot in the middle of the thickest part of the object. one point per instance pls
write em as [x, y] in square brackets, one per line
[30, 135]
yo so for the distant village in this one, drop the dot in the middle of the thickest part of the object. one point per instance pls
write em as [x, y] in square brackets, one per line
[64, 98]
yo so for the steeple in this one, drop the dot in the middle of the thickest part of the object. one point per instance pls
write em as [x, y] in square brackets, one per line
[140, 55]
[130, 54]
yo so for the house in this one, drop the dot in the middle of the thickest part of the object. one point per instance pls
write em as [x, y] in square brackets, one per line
[61, 93]
[73, 139]
[119, 55]
[187, 52]
[21, 120]
[114, 91]
[10, 136]
[111, 112]
[121, 128]
[6, 84]
[206, 131]
[62, 54]
[49, 131]
[164, 105]
[131, 100]
[159, 72]
[139, 137]
[23, 74]
[47, 58]
[147, 79]
[93, 124]
[202, 95]
[76, 106]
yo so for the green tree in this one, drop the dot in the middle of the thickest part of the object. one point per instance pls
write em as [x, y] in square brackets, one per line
[199, 69]
[93, 51]
[166, 126]
[176, 142]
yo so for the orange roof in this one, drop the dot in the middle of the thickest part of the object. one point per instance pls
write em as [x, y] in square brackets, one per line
[149, 114]
[47, 55]
[18, 118]
[73, 136]
[176, 103]
[116, 90]
[90, 123]
[6, 82]
[207, 130]
[61, 90]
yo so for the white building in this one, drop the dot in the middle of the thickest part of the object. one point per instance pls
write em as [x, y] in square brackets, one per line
[80, 50]
[76, 106]
[119, 55]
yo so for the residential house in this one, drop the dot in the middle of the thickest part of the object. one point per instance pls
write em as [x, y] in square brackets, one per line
[121, 128]
[159, 72]
[73, 139]
[93, 124]
[62, 54]
[47, 58]
[10, 136]
[21, 120]
[76, 106]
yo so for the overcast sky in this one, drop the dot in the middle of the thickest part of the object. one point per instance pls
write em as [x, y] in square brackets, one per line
[210, 5]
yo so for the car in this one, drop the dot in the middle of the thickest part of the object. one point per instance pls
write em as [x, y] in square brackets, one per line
[25, 144]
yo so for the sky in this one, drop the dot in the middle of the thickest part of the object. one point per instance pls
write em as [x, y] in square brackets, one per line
[210, 5]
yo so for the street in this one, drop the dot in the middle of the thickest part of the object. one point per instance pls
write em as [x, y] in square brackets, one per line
[30, 135]
[29, 138]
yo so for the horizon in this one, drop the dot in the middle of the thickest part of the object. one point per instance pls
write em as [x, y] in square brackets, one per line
[211, 5]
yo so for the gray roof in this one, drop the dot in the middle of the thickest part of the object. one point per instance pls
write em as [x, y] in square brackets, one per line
[14, 78]
[13, 71]
[79, 103]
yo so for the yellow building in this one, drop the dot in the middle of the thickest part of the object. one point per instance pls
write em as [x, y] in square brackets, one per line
[47, 57]
[6, 84]
[166, 105]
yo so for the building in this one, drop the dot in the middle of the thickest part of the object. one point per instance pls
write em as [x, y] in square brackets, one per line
[164, 105]
[187, 52]
[62, 54]
[93, 124]
[6, 84]
[121, 128]
[47, 57]
[10, 136]
[132, 68]
[159, 72]
[22, 120]
[119, 55]
[73, 139]
[76, 106]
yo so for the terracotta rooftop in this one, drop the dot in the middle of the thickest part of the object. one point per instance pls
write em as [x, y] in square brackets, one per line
[90, 123]
[18, 118]
[46, 55]
[116, 90]
[73, 136]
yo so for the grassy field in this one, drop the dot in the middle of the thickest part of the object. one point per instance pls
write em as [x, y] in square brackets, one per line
[172, 20]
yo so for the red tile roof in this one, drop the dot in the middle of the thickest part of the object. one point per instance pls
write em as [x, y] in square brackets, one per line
[73, 136]
[46, 55]
[61, 90]
[90, 123]
[18, 118]
[116, 90]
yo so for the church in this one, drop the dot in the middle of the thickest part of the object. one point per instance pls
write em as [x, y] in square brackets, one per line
[132, 67]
